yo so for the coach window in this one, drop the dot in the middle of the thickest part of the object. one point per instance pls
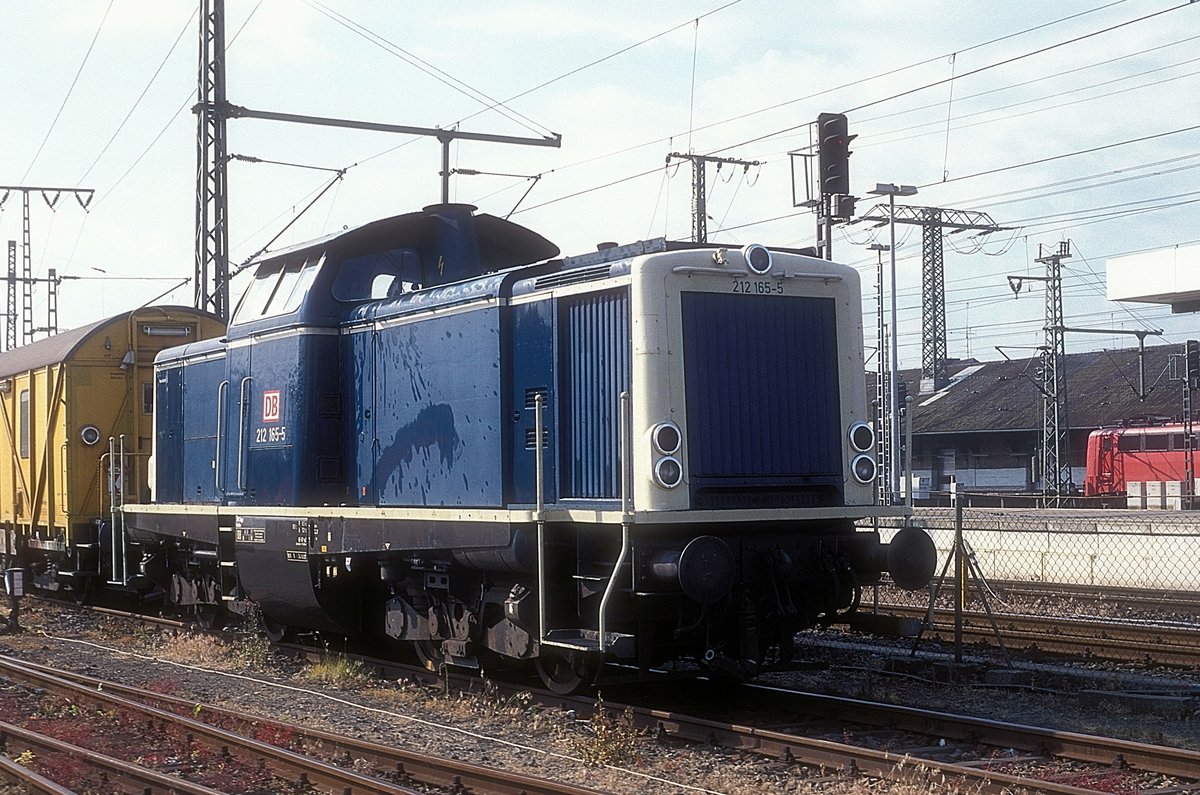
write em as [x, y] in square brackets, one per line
[24, 423]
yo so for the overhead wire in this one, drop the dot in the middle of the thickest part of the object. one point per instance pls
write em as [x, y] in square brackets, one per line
[978, 70]
[1032, 81]
[137, 102]
[883, 138]
[619, 52]
[184, 105]
[983, 201]
[897, 70]
[70, 89]
[1076, 153]
[996, 64]
[1020, 57]
[776, 106]
[427, 68]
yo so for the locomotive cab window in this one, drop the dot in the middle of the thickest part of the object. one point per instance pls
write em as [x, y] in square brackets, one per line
[381, 274]
[277, 289]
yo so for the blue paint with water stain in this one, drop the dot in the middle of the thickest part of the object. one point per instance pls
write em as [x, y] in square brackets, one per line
[435, 435]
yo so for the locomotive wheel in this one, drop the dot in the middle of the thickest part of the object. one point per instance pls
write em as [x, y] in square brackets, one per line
[276, 631]
[563, 672]
[211, 617]
[81, 591]
[429, 654]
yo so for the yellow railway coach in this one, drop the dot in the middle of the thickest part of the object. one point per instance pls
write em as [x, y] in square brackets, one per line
[70, 406]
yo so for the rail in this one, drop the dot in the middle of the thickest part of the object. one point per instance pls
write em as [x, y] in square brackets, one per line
[416, 767]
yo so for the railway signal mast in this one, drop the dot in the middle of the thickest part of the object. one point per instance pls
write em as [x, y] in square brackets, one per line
[212, 203]
[830, 180]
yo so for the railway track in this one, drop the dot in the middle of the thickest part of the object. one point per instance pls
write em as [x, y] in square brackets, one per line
[819, 734]
[899, 743]
[1181, 602]
[854, 737]
[313, 758]
[1149, 643]
[23, 747]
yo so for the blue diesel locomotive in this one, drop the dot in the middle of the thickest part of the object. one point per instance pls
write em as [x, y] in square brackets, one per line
[430, 428]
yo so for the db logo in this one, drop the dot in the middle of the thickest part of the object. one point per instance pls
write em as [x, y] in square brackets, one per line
[271, 406]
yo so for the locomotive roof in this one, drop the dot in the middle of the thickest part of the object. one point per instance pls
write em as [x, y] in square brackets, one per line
[61, 346]
[504, 244]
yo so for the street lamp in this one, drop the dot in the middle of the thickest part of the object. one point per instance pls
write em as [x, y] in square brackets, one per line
[883, 411]
[892, 190]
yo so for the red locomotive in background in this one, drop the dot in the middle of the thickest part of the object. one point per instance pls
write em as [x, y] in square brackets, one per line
[1119, 456]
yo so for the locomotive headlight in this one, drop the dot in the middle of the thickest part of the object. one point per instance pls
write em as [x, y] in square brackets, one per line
[668, 472]
[862, 437]
[758, 258]
[89, 435]
[666, 438]
[863, 467]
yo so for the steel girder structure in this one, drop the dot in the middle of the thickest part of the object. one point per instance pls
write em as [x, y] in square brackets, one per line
[212, 166]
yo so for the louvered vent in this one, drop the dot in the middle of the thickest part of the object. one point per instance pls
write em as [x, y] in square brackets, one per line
[595, 347]
[531, 395]
[574, 276]
[531, 438]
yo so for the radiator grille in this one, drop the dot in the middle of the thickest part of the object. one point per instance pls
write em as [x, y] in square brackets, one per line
[595, 370]
[762, 397]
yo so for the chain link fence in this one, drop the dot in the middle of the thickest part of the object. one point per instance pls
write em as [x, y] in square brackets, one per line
[1111, 572]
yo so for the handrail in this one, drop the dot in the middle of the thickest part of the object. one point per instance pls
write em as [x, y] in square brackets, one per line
[626, 517]
[539, 514]
[112, 513]
[118, 543]
[243, 409]
[222, 388]
[121, 517]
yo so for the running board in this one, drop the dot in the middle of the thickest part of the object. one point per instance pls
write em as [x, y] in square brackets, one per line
[588, 640]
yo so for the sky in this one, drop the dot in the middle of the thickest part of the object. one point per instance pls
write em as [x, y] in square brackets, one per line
[1064, 121]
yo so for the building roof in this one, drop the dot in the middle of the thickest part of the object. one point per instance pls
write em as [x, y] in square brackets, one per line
[1102, 389]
